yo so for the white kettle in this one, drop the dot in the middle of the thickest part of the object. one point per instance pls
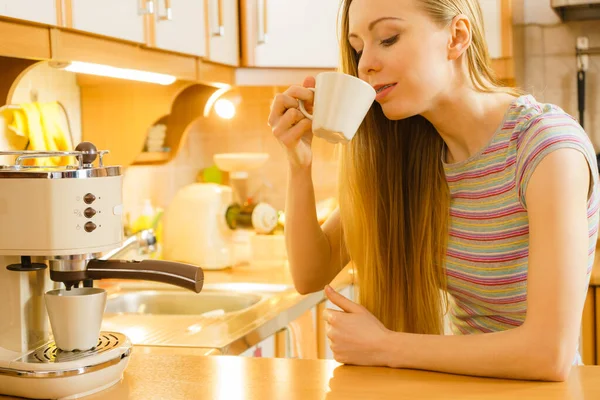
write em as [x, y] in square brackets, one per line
[195, 230]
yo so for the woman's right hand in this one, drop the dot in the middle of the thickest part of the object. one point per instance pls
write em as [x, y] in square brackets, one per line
[289, 126]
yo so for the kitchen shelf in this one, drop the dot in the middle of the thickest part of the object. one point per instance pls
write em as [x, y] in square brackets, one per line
[152, 157]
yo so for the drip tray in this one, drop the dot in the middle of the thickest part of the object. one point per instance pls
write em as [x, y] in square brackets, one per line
[49, 353]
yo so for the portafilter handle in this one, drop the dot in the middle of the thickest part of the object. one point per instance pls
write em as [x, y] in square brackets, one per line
[183, 275]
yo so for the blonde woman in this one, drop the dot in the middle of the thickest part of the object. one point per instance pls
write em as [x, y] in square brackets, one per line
[457, 196]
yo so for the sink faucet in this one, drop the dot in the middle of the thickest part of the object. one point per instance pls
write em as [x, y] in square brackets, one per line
[144, 241]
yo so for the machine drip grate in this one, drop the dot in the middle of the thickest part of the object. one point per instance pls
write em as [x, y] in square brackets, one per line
[49, 353]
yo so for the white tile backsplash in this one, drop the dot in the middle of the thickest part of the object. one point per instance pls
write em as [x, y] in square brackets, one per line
[546, 64]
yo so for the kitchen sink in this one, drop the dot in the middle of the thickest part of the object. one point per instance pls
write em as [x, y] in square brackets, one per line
[157, 314]
[176, 302]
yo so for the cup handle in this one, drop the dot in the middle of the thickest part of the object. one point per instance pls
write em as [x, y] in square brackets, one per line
[302, 109]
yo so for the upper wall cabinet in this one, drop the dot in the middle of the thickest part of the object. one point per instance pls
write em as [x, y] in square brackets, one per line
[43, 11]
[223, 21]
[122, 19]
[180, 26]
[493, 26]
[289, 33]
[497, 19]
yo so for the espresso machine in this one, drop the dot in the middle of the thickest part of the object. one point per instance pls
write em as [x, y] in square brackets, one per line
[57, 225]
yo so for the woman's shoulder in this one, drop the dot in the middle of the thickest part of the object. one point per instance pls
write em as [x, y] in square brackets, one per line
[532, 118]
[541, 128]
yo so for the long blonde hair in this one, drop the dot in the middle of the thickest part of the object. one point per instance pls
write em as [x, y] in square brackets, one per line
[394, 199]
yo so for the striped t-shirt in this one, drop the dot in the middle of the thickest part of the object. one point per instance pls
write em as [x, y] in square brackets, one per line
[487, 255]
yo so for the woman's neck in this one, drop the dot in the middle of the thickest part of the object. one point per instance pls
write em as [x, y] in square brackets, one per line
[466, 120]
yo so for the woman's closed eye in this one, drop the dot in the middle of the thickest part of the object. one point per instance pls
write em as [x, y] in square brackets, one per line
[389, 41]
[385, 43]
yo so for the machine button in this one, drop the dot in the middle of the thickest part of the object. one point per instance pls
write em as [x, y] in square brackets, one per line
[89, 226]
[89, 198]
[89, 212]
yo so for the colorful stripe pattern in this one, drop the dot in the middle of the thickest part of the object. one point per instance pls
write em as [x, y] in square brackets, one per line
[487, 252]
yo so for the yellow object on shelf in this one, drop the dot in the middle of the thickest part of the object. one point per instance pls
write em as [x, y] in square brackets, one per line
[39, 123]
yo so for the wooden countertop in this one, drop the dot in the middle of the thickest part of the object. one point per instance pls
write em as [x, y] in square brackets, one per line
[230, 378]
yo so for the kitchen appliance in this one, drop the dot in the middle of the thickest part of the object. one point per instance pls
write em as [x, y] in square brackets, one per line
[238, 165]
[56, 223]
[210, 225]
[576, 10]
[200, 223]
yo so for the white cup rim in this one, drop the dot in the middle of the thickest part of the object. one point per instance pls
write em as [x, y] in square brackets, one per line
[356, 78]
[85, 291]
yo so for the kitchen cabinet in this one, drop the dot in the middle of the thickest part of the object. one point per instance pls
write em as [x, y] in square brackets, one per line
[596, 328]
[223, 31]
[297, 340]
[173, 25]
[180, 26]
[265, 348]
[498, 30]
[121, 19]
[42, 11]
[492, 20]
[289, 33]
[587, 344]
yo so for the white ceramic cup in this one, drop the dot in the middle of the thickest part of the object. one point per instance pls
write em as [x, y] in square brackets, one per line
[340, 105]
[76, 317]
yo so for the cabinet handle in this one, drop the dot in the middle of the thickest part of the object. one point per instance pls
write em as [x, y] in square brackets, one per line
[168, 15]
[220, 31]
[261, 16]
[149, 9]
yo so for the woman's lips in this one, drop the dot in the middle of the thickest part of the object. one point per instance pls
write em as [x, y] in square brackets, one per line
[383, 91]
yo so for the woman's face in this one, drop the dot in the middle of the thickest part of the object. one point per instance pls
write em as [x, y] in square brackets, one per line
[399, 45]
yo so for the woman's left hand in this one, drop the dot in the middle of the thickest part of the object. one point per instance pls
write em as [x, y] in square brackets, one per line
[355, 335]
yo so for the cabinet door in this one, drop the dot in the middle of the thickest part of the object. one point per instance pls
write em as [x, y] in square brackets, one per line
[492, 20]
[121, 19]
[290, 33]
[180, 26]
[43, 11]
[223, 21]
[587, 347]
[265, 349]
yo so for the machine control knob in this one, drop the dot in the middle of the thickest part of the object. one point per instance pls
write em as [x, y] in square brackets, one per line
[89, 226]
[89, 198]
[89, 212]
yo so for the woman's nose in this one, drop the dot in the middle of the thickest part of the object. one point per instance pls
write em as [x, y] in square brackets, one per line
[368, 63]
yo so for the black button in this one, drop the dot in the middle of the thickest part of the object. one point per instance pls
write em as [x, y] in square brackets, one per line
[89, 212]
[89, 198]
[89, 226]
